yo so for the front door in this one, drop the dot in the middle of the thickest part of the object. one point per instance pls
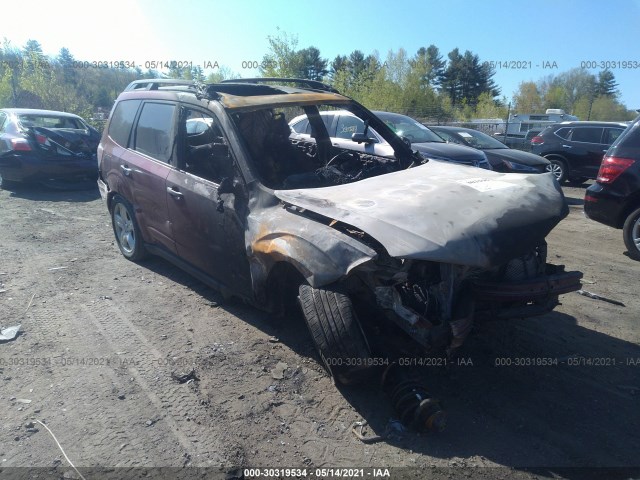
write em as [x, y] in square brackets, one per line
[208, 228]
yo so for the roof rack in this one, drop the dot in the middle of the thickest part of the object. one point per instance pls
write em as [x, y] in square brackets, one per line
[155, 83]
[302, 82]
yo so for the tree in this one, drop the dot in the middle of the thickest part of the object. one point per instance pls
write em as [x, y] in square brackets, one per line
[311, 65]
[528, 98]
[488, 107]
[33, 56]
[66, 62]
[451, 83]
[341, 62]
[223, 73]
[11, 68]
[466, 78]
[282, 59]
[356, 63]
[606, 108]
[606, 84]
[434, 63]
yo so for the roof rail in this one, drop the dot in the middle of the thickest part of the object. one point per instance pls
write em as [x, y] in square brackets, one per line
[155, 83]
[302, 82]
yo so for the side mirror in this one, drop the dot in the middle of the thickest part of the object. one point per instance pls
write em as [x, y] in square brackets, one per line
[226, 186]
[362, 138]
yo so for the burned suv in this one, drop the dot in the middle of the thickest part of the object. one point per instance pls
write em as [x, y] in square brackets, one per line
[377, 251]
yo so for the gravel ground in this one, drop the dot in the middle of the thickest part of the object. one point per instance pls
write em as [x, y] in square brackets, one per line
[105, 341]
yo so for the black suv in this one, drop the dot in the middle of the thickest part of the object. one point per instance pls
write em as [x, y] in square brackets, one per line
[575, 149]
[615, 197]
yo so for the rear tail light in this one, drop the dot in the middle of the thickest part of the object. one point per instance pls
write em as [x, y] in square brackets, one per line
[612, 167]
[537, 140]
[42, 140]
[20, 144]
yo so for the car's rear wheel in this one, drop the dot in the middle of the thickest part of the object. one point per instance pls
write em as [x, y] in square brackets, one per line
[631, 234]
[558, 168]
[336, 333]
[126, 230]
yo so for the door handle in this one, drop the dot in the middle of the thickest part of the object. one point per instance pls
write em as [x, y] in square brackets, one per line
[175, 193]
[566, 146]
[126, 170]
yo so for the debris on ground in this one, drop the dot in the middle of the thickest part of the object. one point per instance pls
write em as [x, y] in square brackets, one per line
[185, 377]
[9, 333]
[278, 371]
[595, 296]
[394, 427]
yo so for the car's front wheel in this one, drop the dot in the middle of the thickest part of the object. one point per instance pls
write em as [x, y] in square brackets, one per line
[126, 230]
[336, 333]
[631, 234]
[558, 168]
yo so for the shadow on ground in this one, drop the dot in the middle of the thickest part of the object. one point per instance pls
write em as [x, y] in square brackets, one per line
[522, 394]
[82, 192]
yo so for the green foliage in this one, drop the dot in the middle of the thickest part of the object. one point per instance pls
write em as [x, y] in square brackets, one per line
[528, 98]
[577, 92]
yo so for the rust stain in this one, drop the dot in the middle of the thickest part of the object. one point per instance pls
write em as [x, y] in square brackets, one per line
[233, 102]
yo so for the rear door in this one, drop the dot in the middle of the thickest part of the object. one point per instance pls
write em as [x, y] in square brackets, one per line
[208, 228]
[142, 169]
[586, 151]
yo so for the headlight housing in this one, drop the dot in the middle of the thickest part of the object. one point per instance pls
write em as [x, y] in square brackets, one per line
[520, 167]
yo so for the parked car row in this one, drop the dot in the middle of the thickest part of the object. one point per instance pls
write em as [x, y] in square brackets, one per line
[501, 157]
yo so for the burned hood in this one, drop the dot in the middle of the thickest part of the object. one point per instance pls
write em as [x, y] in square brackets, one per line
[444, 212]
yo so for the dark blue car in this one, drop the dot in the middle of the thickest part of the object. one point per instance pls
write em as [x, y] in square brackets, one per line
[47, 147]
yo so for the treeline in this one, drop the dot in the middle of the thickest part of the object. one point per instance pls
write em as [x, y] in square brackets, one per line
[432, 87]
[427, 85]
[30, 79]
[578, 92]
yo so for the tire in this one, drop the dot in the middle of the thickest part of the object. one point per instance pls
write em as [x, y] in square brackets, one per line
[126, 230]
[631, 234]
[558, 168]
[336, 333]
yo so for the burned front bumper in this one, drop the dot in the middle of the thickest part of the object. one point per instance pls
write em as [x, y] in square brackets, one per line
[525, 298]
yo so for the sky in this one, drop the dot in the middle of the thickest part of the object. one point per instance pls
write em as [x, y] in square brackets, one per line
[540, 38]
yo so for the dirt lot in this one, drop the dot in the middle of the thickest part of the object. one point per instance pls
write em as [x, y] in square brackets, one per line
[101, 337]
